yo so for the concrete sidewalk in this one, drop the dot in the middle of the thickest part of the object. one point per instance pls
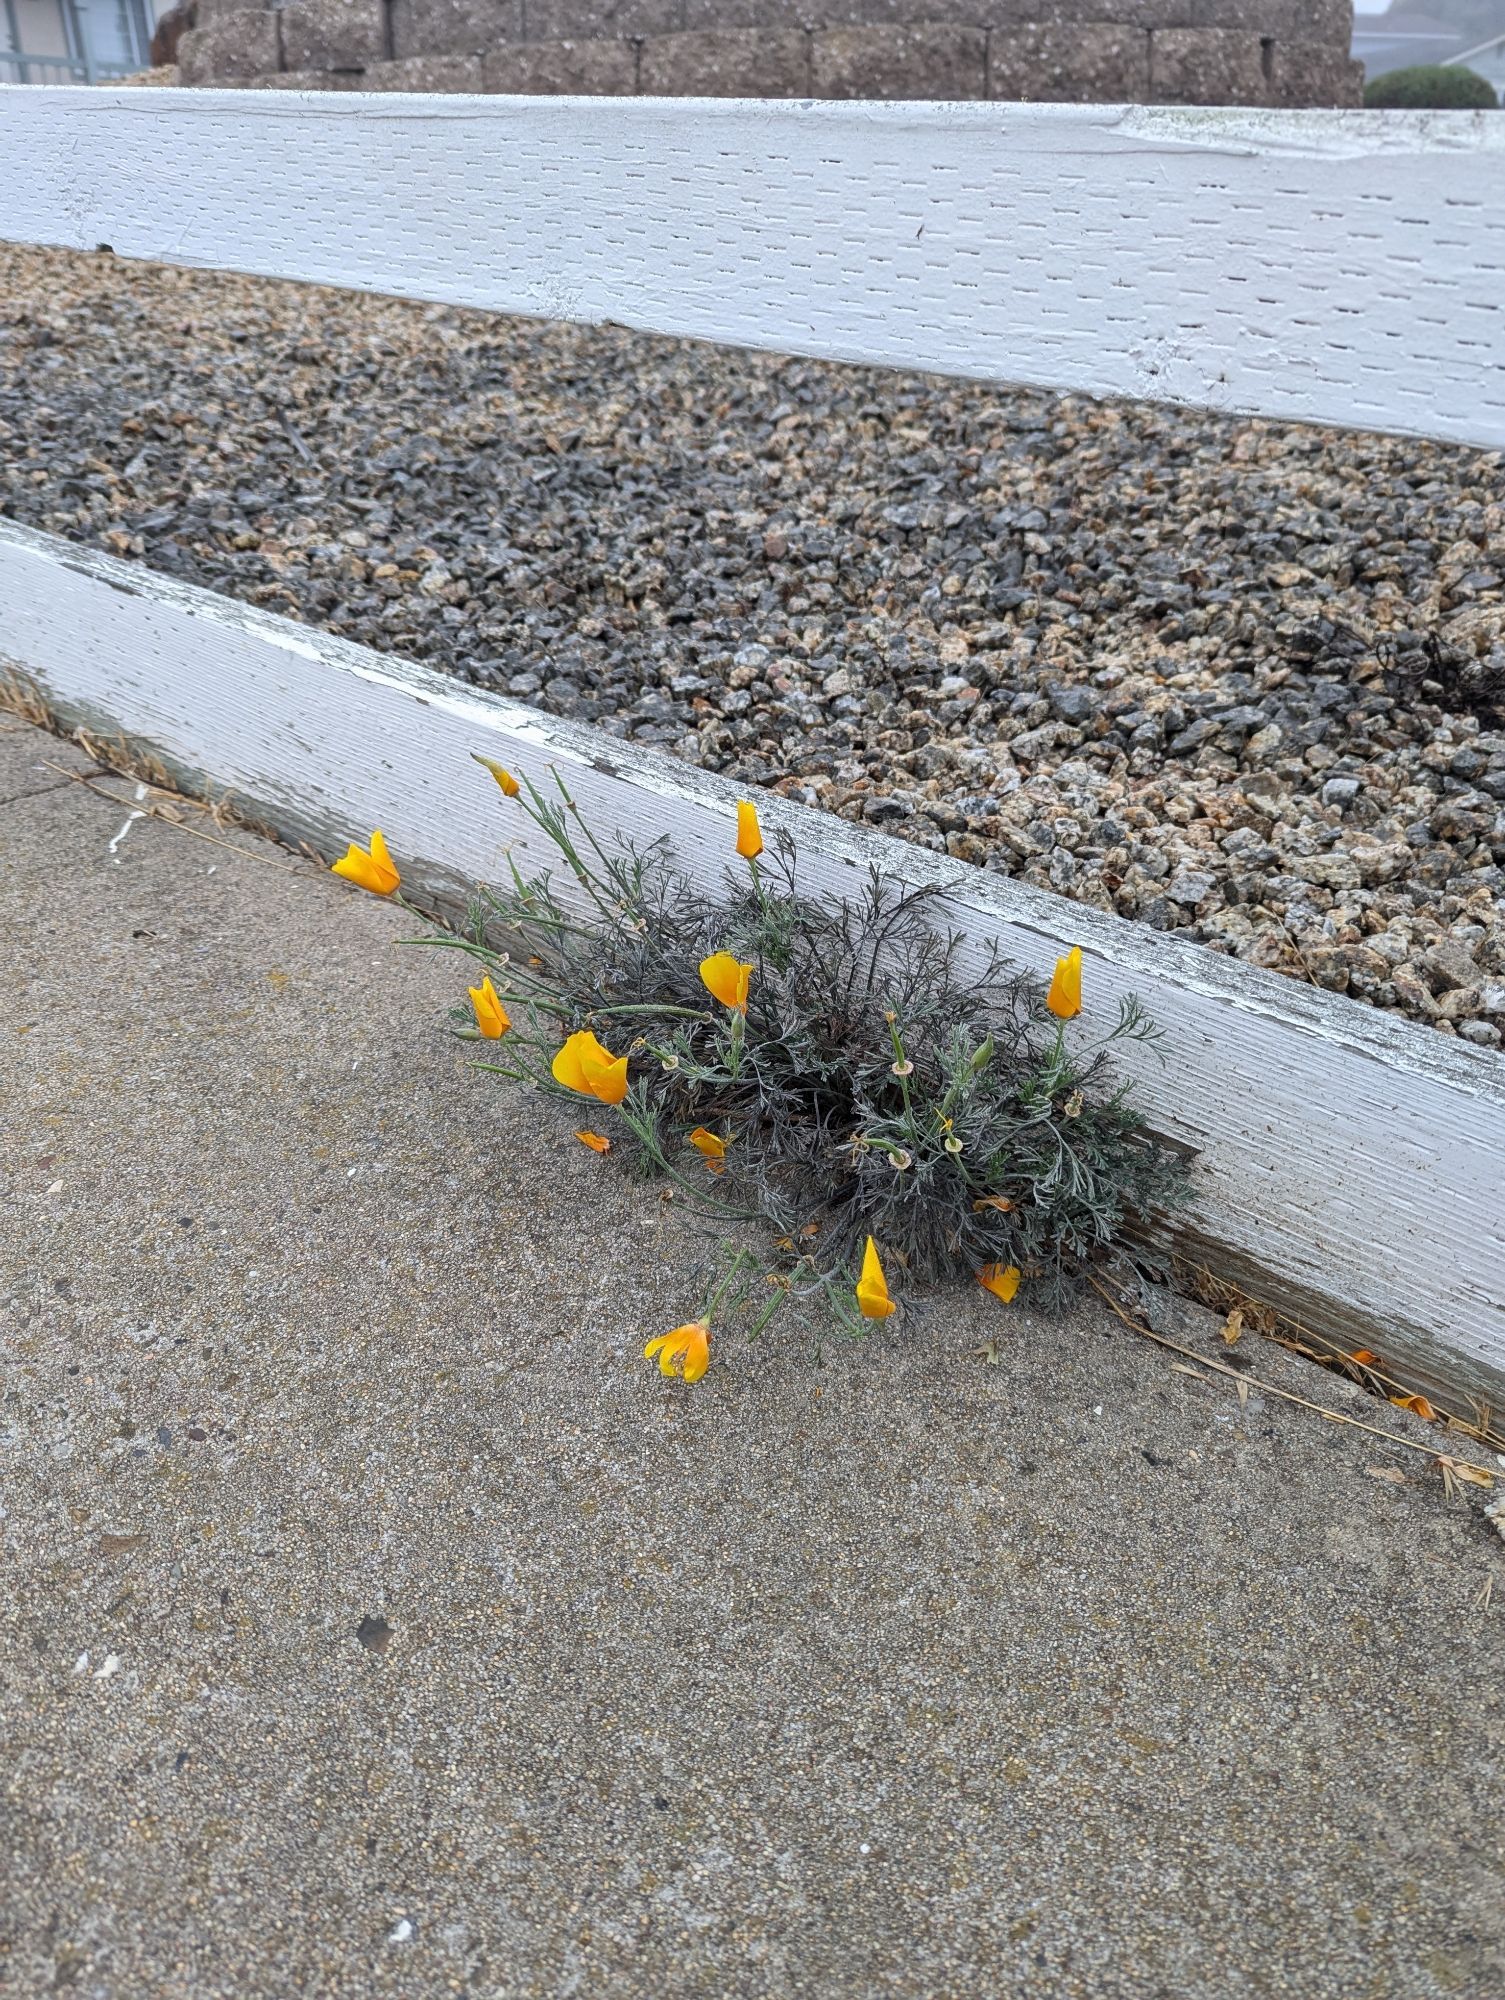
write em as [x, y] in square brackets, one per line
[378, 1622]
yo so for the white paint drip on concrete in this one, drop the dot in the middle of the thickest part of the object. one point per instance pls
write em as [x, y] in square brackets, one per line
[113, 849]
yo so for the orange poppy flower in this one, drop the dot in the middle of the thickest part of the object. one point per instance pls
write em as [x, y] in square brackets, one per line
[374, 871]
[686, 1352]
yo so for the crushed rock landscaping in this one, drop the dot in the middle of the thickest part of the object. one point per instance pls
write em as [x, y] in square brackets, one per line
[1237, 680]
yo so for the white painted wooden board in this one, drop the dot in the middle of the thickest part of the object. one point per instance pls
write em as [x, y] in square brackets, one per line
[1351, 1165]
[1327, 266]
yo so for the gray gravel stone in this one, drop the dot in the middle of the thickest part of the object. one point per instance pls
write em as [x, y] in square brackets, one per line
[1102, 639]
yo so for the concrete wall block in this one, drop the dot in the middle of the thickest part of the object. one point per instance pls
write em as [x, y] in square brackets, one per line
[896, 13]
[1329, 21]
[701, 16]
[236, 45]
[1089, 13]
[916, 62]
[456, 74]
[453, 27]
[739, 62]
[1312, 74]
[333, 34]
[207, 12]
[314, 79]
[1208, 66]
[1064, 65]
[601, 20]
[561, 69]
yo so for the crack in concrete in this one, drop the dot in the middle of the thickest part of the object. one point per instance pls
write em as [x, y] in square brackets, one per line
[15, 798]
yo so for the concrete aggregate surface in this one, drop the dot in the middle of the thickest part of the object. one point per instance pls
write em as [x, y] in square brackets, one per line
[378, 1622]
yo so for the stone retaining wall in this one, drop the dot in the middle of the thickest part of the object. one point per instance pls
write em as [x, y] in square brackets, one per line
[1267, 52]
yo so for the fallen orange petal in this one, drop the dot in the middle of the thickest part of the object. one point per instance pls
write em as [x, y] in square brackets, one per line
[1419, 1404]
[1002, 1280]
[595, 1140]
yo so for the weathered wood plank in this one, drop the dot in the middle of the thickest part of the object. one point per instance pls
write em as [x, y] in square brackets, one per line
[1351, 1165]
[1332, 267]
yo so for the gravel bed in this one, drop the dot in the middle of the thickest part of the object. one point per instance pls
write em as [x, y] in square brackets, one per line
[1233, 679]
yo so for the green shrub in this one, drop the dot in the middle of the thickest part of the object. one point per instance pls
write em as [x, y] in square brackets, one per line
[828, 1067]
[1430, 87]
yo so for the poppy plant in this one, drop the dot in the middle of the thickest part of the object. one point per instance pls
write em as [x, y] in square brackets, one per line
[492, 1018]
[374, 871]
[873, 1301]
[749, 833]
[1065, 996]
[726, 979]
[685, 1352]
[710, 1146]
[583, 1065]
[503, 776]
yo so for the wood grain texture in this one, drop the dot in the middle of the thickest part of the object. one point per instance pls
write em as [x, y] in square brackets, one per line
[1350, 1164]
[1325, 266]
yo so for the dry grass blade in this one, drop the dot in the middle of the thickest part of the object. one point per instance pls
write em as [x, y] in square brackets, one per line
[1482, 1473]
[168, 808]
[1222, 1295]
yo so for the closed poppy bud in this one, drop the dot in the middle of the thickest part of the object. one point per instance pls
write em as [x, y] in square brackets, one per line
[583, 1065]
[749, 833]
[373, 871]
[726, 979]
[1065, 996]
[500, 772]
[873, 1301]
[686, 1352]
[708, 1143]
[492, 1018]
[1002, 1280]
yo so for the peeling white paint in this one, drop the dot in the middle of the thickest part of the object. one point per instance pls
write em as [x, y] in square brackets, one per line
[1263, 261]
[130, 820]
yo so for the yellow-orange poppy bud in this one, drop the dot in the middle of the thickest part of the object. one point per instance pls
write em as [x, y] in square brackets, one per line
[685, 1352]
[873, 1301]
[583, 1065]
[1065, 996]
[1002, 1280]
[492, 1018]
[500, 772]
[373, 871]
[597, 1141]
[726, 979]
[749, 833]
